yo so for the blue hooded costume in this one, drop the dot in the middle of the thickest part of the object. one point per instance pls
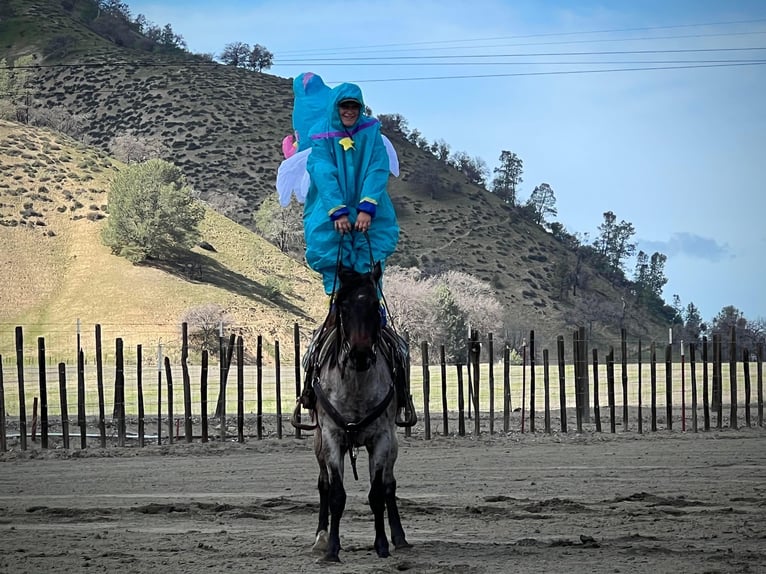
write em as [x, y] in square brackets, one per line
[311, 95]
[349, 170]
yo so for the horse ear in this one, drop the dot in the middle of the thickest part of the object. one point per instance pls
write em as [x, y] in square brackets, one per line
[377, 272]
[344, 274]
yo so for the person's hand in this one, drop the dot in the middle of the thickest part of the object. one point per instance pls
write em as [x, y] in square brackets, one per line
[363, 221]
[342, 224]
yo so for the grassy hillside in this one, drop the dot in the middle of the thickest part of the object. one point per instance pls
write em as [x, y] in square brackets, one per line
[223, 127]
[53, 194]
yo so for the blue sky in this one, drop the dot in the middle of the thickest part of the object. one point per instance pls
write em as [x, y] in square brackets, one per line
[679, 153]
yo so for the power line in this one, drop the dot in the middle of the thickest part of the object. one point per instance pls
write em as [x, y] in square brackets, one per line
[689, 66]
[521, 44]
[541, 35]
[556, 73]
[529, 55]
[365, 60]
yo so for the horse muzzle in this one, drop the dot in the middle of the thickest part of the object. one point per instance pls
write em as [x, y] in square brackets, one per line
[362, 359]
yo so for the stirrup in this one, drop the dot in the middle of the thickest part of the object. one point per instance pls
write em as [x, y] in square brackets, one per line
[410, 416]
[295, 418]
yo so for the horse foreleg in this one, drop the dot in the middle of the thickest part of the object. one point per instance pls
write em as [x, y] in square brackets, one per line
[377, 500]
[337, 503]
[394, 520]
[323, 485]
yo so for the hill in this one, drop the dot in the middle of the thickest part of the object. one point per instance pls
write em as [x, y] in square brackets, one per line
[223, 126]
[56, 269]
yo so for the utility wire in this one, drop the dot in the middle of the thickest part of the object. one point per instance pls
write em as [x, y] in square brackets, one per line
[541, 35]
[528, 55]
[73, 91]
[520, 44]
[554, 73]
[365, 60]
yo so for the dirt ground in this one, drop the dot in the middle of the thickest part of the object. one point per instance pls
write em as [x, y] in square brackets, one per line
[658, 502]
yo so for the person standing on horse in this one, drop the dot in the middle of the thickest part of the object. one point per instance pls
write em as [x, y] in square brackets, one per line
[348, 217]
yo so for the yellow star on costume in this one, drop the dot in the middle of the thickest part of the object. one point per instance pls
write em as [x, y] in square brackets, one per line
[347, 143]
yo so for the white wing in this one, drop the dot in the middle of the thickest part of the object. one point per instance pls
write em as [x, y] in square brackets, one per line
[293, 179]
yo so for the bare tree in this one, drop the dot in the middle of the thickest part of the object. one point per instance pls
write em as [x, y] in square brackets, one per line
[282, 226]
[236, 54]
[205, 323]
[131, 148]
[260, 58]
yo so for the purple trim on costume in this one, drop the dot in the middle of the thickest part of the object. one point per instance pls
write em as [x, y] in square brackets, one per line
[343, 134]
[306, 77]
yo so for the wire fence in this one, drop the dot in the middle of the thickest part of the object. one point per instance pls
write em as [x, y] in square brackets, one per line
[237, 390]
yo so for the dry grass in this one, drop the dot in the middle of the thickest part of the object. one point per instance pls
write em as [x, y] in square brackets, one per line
[56, 270]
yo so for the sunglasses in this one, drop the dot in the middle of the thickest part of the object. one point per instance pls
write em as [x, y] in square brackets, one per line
[349, 106]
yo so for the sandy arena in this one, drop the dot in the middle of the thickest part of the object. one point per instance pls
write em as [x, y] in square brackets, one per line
[658, 502]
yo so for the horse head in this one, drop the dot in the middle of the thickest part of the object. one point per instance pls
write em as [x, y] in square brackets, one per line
[358, 312]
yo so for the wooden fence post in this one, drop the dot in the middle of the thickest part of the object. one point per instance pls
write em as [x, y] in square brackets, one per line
[460, 401]
[491, 361]
[259, 386]
[62, 400]
[562, 384]
[278, 382]
[581, 371]
[531, 381]
[119, 391]
[476, 365]
[3, 438]
[140, 389]
[693, 368]
[717, 378]
[669, 386]
[159, 393]
[746, 367]
[610, 388]
[186, 380]
[81, 419]
[240, 350]
[100, 387]
[426, 388]
[22, 398]
[169, 377]
[43, 392]
[547, 390]
[203, 394]
[445, 408]
[506, 388]
[624, 365]
[653, 383]
[705, 386]
[596, 399]
[640, 391]
[733, 377]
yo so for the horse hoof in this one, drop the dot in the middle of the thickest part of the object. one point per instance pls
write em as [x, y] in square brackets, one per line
[327, 558]
[320, 544]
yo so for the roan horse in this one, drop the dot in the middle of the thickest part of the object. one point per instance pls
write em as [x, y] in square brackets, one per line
[356, 407]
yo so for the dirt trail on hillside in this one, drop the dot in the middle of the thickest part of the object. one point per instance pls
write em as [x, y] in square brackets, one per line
[532, 503]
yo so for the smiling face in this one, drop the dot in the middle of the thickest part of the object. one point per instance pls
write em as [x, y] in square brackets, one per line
[349, 113]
